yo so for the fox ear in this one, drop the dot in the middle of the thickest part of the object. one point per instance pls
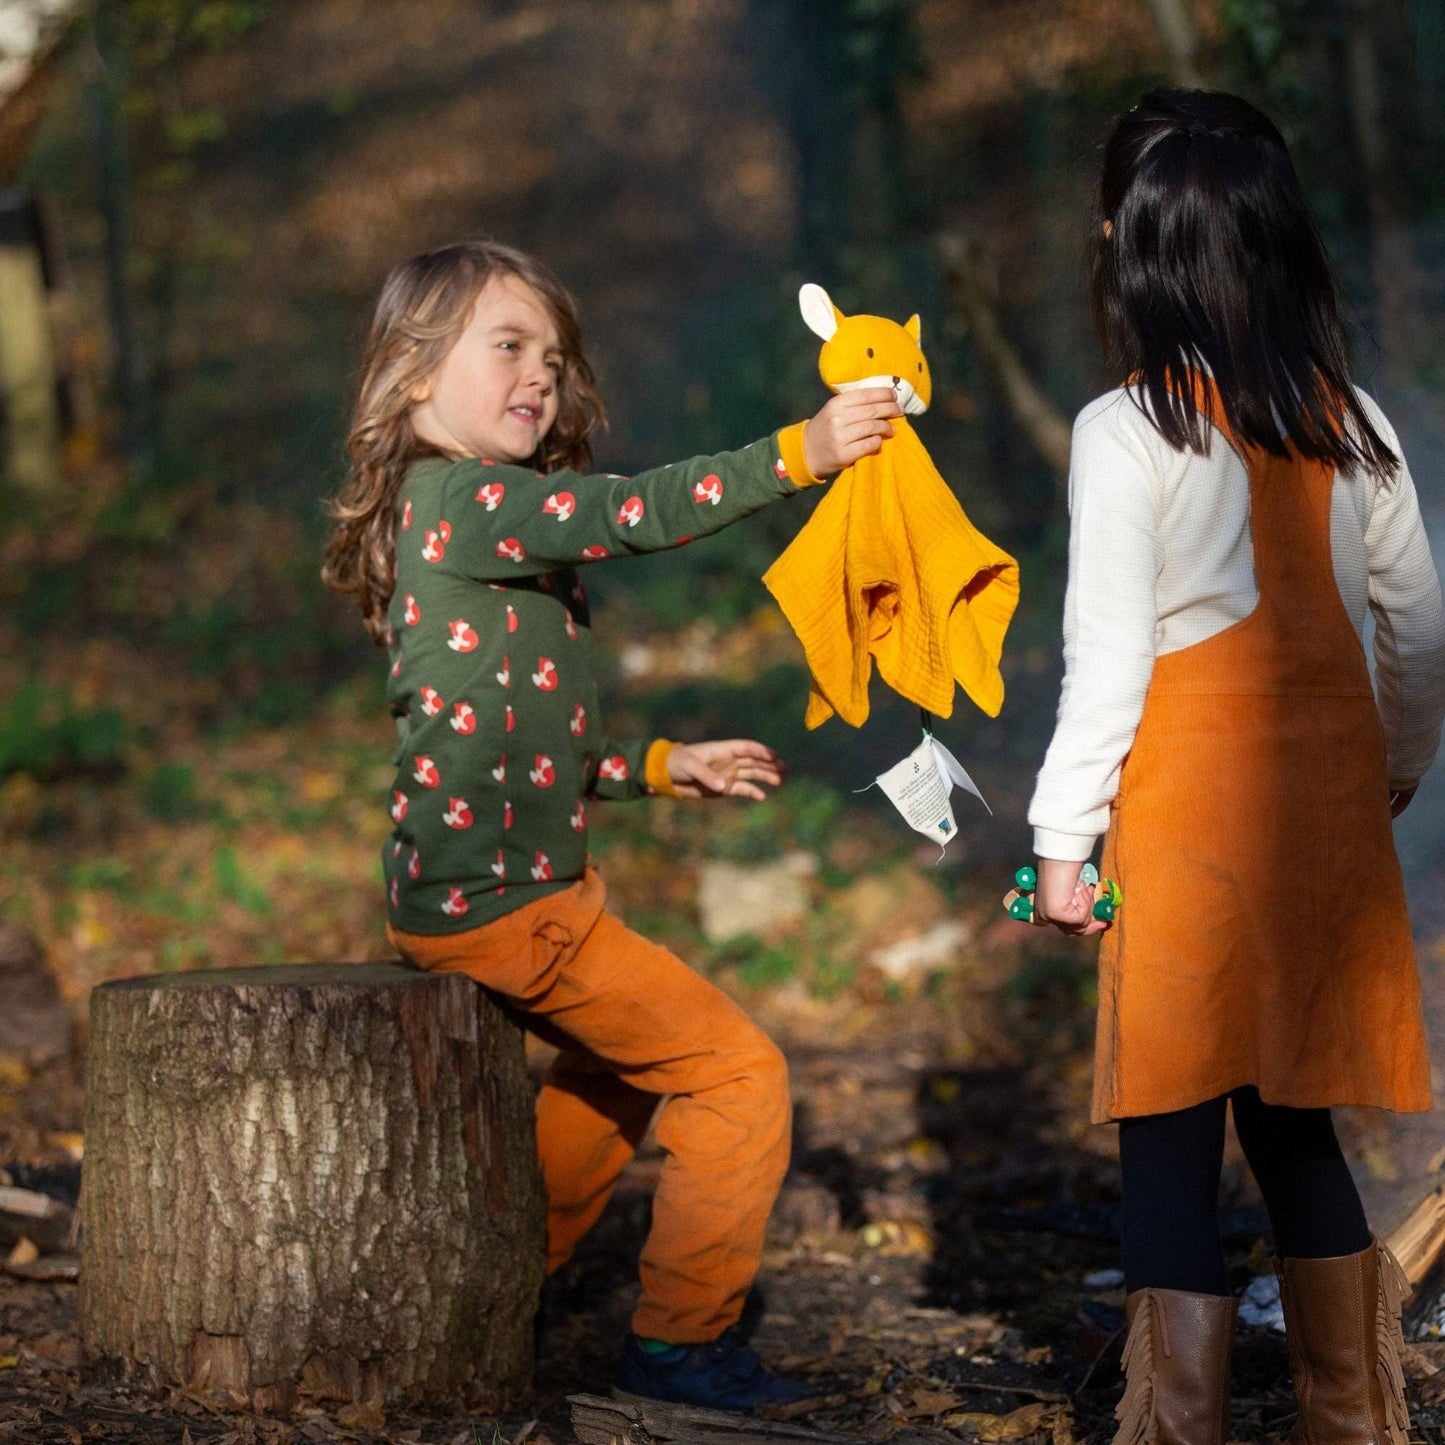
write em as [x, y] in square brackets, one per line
[818, 311]
[913, 327]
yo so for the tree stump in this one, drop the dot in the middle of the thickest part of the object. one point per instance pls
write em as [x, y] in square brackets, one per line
[314, 1180]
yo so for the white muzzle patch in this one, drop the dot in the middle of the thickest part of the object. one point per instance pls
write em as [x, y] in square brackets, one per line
[908, 399]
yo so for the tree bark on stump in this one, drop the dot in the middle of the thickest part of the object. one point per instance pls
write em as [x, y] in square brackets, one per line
[317, 1180]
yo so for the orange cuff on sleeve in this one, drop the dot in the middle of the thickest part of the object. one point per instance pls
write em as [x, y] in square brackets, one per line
[654, 769]
[790, 448]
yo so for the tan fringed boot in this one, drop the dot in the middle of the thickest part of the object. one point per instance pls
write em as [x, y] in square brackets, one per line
[1176, 1368]
[1342, 1320]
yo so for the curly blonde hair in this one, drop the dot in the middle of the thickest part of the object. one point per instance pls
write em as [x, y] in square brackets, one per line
[424, 307]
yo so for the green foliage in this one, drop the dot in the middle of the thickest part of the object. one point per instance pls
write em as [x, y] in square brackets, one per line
[205, 633]
[831, 977]
[50, 595]
[1264, 45]
[145, 44]
[170, 793]
[237, 886]
[219, 23]
[757, 964]
[160, 32]
[280, 700]
[107, 873]
[1069, 974]
[191, 129]
[44, 732]
[176, 903]
[179, 952]
[802, 815]
[1259, 27]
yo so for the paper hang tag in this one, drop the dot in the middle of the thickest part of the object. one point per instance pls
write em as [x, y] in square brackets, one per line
[920, 785]
[955, 772]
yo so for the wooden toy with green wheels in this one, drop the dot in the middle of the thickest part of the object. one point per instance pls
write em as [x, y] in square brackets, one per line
[1019, 901]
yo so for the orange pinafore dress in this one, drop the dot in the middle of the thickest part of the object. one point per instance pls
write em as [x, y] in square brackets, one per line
[1263, 937]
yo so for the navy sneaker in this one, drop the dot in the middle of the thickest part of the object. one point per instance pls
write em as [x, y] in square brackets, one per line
[721, 1375]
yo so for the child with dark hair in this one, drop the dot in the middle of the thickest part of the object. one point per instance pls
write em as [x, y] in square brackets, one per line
[1238, 507]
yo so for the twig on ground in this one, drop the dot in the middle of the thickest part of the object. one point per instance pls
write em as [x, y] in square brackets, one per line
[1095, 1362]
[1046, 1397]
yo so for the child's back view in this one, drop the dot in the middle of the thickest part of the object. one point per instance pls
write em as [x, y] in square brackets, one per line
[1237, 509]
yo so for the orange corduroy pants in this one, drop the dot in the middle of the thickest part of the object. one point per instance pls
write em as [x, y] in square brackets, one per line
[633, 1022]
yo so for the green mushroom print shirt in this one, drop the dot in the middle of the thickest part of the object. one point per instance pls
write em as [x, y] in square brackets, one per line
[500, 747]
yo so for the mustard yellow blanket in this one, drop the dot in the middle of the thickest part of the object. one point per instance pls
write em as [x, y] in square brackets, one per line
[889, 569]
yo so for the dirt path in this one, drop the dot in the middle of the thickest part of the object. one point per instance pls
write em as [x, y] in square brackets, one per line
[926, 1269]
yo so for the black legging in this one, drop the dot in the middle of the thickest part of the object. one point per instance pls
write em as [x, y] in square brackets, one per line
[1171, 1165]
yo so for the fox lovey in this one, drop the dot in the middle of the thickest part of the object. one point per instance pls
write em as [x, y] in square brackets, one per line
[861, 351]
[889, 569]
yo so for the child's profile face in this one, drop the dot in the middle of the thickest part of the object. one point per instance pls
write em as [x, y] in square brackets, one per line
[495, 393]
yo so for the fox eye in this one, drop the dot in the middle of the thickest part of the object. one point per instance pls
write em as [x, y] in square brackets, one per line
[870, 353]
[920, 366]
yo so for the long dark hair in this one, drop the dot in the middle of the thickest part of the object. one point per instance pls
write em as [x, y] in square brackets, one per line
[1212, 257]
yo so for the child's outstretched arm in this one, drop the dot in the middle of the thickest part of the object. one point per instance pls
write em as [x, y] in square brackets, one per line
[731, 768]
[492, 522]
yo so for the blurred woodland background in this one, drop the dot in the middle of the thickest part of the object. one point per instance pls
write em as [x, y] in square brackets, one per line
[192, 740]
[206, 195]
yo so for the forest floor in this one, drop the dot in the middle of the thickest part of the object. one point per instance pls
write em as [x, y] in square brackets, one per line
[936, 1263]
[935, 1266]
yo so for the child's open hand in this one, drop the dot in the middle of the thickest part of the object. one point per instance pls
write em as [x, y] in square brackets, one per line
[1064, 899]
[853, 424]
[734, 768]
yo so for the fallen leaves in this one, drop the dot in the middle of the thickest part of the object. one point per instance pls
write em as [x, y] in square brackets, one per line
[367, 1415]
[24, 1252]
[927, 1404]
[1424, 1366]
[1028, 1420]
[55, 1350]
[897, 1238]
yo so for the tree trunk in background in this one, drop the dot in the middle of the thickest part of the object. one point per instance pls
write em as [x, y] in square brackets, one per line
[28, 368]
[1041, 421]
[106, 124]
[1392, 254]
[815, 97]
[839, 98]
[314, 1180]
[1175, 23]
[27, 375]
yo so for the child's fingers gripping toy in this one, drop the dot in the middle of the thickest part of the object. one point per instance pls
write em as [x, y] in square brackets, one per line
[1019, 901]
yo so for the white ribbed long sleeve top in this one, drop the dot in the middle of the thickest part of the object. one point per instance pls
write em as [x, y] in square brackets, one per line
[1161, 557]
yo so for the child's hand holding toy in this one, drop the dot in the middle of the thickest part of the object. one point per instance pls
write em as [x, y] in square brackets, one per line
[851, 425]
[1064, 894]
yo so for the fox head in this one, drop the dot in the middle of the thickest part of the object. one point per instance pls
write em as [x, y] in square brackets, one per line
[868, 351]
